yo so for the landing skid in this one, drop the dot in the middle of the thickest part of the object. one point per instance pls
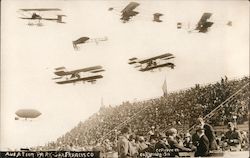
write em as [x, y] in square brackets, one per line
[39, 24]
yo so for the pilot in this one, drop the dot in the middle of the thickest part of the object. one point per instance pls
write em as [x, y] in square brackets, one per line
[35, 16]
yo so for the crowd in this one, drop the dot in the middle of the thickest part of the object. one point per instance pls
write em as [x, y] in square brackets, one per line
[202, 143]
[151, 118]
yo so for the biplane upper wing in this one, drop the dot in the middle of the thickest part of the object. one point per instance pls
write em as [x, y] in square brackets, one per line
[90, 78]
[41, 9]
[156, 57]
[171, 65]
[204, 17]
[130, 7]
[203, 24]
[64, 73]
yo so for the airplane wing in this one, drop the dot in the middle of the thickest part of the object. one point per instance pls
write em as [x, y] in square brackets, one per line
[27, 18]
[98, 70]
[58, 17]
[49, 19]
[204, 17]
[171, 65]
[130, 7]
[87, 69]
[156, 57]
[134, 58]
[64, 73]
[41, 9]
[90, 78]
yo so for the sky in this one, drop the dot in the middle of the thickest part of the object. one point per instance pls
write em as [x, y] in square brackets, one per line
[29, 55]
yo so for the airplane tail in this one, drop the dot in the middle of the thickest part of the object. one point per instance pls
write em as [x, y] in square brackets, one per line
[97, 40]
[157, 16]
[59, 18]
[133, 60]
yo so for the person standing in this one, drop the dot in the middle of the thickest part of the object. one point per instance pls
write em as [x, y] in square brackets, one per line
[203, 144]
[123, 144]
[209, 132]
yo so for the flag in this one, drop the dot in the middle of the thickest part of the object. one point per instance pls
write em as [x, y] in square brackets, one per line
[164, 88]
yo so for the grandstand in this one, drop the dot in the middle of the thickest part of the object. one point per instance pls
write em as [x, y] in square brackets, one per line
[217, 103]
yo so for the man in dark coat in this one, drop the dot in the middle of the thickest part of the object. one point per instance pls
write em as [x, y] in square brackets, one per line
[233, 137]
[203, 144]
[209, 132]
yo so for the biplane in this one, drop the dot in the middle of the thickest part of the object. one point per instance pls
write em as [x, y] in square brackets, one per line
[128, 12]
[203, 24]
[152, 63]
[35, 15]
[83, 40]
[88, 74]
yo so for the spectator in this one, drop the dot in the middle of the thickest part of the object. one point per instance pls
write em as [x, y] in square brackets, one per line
[188, 141]
[209, 132]
[141, 144]
[162, 142]
[172, 133]
[133, 146]
[233, 137]
[203, 144]
[123, 144]
[151, 145]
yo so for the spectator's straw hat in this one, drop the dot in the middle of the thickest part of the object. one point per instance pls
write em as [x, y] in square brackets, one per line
[187, 135]
[171, 131]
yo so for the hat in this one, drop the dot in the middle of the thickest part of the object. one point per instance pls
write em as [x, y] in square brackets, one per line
[163, 135]
[153, 137]
[200, 119]
[125, 130]
[171, 131]
[230, 124]
[187, 135]
[141, 138]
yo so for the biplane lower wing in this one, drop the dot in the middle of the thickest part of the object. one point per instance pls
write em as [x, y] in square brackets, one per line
[204, 28]
[30, 18]
[40, 9]
[156, 57]
[171, 65]
[91, 78]
[58, 19]
[132, 62]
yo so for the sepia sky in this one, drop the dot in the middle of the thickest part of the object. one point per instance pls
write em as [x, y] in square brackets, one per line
[29, 55]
